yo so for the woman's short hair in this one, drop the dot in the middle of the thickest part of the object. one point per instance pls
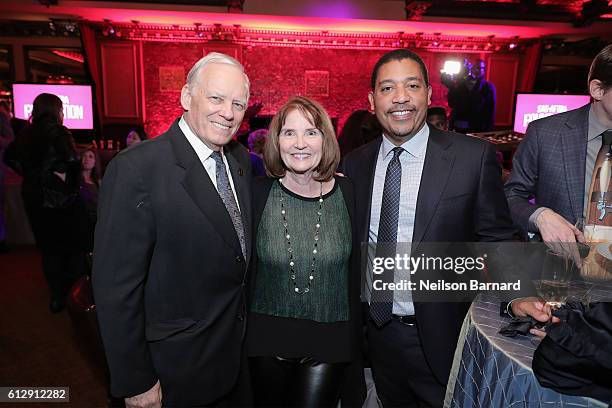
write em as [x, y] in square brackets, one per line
[316, 115]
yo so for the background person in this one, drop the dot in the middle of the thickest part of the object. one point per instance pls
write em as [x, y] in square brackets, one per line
[360, 128]
[48, 162]
[436, 117]
[471, 98]
[135, 136]
[88, 193]
[256, 142]
[6, 138]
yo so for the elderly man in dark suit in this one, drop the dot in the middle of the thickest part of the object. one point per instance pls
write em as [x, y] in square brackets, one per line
[555, 161]
[419, 184]
[171, 249]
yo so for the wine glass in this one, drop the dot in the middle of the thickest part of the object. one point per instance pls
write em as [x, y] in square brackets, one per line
[558, 271]
[554, 284]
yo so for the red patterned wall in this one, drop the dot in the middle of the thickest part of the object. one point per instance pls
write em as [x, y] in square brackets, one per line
[277, 73]
[162, 107]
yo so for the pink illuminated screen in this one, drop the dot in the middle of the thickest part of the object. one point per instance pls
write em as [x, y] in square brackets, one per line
[530, 107]
[78, 112]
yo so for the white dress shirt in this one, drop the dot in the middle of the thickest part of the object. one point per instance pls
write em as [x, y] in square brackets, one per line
[204, 153]
[412, 161]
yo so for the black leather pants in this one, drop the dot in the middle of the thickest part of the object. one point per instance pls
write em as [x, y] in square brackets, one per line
[295, 382]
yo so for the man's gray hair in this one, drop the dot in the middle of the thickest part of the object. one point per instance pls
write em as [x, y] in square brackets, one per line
[215, 58]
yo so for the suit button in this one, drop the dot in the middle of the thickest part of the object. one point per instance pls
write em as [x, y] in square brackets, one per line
[240, 317]
[238, 259]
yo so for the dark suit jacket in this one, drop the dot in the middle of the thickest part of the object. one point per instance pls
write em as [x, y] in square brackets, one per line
[169, 275]
[460, 200]
[549, 164]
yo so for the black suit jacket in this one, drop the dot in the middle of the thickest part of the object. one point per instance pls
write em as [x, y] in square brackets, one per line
[169, 275]
[460, 199]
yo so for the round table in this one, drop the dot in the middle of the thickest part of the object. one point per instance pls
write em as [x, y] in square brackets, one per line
[490, 370]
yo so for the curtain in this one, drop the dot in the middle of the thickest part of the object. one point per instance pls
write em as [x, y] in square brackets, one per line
[92, 67]
[531, 65]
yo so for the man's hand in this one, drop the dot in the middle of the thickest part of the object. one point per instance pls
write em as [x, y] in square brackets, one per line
[148, 399]
[536, 308]
[559, 235]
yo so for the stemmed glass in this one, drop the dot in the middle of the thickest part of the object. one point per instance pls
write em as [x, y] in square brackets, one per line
[562, 264]
[558, 270]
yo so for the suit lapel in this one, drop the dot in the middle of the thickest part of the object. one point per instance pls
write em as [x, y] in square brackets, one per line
[573, 147]
[363, 191]
[200, 188]
[436, 171]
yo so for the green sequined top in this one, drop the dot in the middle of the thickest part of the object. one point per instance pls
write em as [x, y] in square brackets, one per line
[274, 294]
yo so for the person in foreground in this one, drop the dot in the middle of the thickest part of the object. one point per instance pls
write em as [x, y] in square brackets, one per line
[303, 326]
[418, 184]
[171, 249]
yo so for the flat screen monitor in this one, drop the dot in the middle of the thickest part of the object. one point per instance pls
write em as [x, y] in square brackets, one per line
[78, 111]
[529, 107]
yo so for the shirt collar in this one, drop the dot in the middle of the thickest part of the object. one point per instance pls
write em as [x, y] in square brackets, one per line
[416, 146]
[198, 145]
[596, 128]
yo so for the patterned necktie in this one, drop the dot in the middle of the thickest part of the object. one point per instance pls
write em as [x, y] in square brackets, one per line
[601, 178]
[227, 196]
[381, 305]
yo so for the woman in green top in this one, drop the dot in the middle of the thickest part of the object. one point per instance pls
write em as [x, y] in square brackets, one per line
[303, 332]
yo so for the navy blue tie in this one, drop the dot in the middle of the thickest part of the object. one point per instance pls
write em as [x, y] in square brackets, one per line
[381, 305]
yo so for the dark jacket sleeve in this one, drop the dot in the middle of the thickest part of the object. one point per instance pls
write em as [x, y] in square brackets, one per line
[354, 387]
[576, 356]
[493, 222]
[124, 243]
[62, 155]
[523, 181]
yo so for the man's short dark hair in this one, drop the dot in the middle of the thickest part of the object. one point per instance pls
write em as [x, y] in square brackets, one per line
[398, 55]
[601, 67]
[436, 110]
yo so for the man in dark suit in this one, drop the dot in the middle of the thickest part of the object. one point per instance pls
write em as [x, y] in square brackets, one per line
[419, 184]
[554, 164]
[171, 249]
